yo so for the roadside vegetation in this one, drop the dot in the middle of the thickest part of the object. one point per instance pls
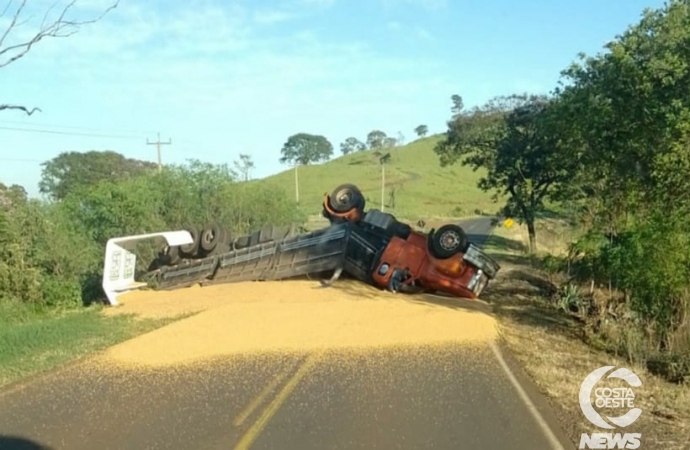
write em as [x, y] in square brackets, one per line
[611, 148]
[51, 251]
[555, 345]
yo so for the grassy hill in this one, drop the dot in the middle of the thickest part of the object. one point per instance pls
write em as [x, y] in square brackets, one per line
[423, 189]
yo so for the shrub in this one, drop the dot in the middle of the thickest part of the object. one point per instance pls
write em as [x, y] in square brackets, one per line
[51, 254]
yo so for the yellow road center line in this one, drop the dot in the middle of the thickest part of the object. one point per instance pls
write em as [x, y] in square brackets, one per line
[239, 420]
[257, 427]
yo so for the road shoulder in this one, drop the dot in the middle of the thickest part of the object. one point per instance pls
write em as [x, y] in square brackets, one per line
[548, 348]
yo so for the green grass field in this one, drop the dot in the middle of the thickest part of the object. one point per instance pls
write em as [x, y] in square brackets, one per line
[33, 342]
[423, 189]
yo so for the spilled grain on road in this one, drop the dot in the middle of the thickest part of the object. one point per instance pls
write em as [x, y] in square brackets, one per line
[290, 316]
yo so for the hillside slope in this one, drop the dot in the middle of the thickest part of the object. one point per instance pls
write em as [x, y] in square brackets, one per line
[423, 189]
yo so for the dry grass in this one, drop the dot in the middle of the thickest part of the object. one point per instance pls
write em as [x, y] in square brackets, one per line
[550, 348]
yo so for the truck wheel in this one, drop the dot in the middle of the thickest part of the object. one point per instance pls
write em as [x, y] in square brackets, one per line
[447, 241]
[346, 197]
[211, 236]
[191, 250]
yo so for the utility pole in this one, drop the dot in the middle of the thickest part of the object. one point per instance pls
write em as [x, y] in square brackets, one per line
[383, 186]
[296, 183]
[383, 160]
[158, 144]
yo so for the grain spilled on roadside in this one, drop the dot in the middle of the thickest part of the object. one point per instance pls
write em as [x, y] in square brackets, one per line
[247, 318]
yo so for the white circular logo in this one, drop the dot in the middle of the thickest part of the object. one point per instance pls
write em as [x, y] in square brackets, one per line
[610, 397]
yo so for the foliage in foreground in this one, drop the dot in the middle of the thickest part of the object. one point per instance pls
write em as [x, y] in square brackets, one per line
[611, 145]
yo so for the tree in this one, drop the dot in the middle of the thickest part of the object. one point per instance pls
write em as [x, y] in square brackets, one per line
[244, 166]
[629, 105]
[400, 140]
[389, 142]
[458, 105]
[62, 26]
[421, 130]
[70, 170]
[302, 149]
[351, 145]
[628, 127]
[510, 137]
[375, 139]
[12, 195]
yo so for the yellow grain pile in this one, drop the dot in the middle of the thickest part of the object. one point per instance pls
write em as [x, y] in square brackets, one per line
[257, 317]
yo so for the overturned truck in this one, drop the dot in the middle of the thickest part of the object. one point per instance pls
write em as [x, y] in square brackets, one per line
[372, 246]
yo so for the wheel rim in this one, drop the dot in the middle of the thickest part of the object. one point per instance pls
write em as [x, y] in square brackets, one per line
[449, 240]
[208, 236]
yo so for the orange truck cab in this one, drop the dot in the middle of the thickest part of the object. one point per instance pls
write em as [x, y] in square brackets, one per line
[417, 267]
[442, 260]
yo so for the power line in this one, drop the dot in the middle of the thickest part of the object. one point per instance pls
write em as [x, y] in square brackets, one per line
[20, 160]
[67, 133]
[71, 127]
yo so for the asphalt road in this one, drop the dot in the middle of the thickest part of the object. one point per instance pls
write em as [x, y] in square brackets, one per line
[450, 398]
[477, 229]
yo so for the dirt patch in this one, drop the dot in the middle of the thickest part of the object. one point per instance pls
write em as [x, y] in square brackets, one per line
[257, 317]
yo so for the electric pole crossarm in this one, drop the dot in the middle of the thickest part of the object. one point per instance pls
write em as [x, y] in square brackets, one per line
[158, 144]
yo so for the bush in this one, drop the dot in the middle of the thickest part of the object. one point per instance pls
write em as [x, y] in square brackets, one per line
[60, 293]
[51, 254]
[645, 269]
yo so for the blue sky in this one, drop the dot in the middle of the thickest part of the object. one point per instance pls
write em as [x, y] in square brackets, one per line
[222, 78]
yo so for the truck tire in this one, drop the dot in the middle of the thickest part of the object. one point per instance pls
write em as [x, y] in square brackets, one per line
[211, 236]
[191, 250]
[447, 241]
[346, 197]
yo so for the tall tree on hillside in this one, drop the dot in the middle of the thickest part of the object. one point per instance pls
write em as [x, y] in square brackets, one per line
[376, 139]
[351, 145]
[510, 137]
[71, 170]
[62, 26]
[389, 142]
[302, 149]
[458, 105]
[244, 166]
[421, 130]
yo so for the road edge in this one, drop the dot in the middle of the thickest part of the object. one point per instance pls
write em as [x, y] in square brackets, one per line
[538, 405]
